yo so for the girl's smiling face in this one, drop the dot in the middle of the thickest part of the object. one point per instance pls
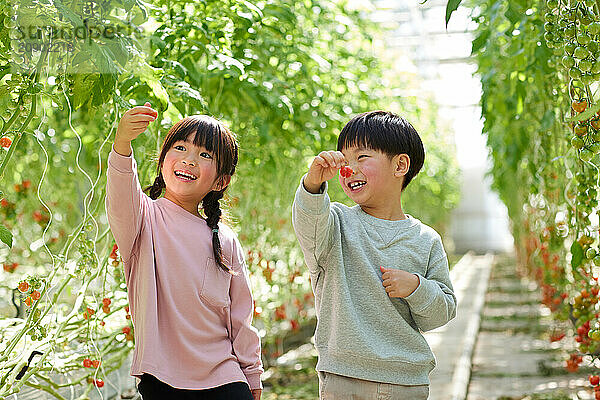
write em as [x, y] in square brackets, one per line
[190, 172]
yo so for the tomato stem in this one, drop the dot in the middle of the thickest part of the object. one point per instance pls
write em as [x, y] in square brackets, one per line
[34, 78]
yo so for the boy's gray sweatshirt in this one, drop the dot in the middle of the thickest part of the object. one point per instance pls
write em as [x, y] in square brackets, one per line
[361, 331]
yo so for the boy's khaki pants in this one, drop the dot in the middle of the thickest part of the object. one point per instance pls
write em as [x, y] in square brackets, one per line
[337, 387]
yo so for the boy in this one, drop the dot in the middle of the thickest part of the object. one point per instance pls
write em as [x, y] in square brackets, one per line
[380, 276]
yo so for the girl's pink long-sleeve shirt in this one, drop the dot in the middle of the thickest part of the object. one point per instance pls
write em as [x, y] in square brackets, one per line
[192, 319]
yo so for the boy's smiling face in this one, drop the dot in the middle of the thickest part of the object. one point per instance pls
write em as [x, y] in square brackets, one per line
[376, 181]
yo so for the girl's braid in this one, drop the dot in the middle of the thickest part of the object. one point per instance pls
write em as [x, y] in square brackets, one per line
[157, 187]
[212, 210]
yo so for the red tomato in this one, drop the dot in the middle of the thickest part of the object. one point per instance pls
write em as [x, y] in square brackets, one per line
[579, 106]
[5, 142]
[23, 287]
[346, 172]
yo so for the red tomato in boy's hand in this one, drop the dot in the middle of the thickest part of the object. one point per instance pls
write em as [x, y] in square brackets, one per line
[346, 172]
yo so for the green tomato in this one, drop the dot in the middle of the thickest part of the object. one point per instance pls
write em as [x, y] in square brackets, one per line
[585, 19]
[570, 31]
[550, 17]
[587, 79]
[569, 62]
[585, 155]
[577, 142]
[552, 4]
[549, 26]
[594, 28]
[590, 3]
[575, 73]
[583, 38]
[581, 52]
[585, 65]
[597, 260]
[590, 253]
[592, 46]
[594, 334]
[570, 48]
[549, 37]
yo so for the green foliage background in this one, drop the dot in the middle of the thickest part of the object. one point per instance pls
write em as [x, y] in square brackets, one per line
[537, 61]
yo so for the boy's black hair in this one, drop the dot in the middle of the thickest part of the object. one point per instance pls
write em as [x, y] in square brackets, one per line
[388, 133]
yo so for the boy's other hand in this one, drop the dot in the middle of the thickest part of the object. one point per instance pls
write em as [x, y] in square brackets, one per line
[256, 394]
[398, 283]
[323, 168]
[133, 123]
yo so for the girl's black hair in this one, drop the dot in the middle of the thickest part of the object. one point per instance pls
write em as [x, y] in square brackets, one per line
[388, 133]
[216, 138]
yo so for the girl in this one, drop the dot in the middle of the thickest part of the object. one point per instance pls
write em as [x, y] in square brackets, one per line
[187, 281]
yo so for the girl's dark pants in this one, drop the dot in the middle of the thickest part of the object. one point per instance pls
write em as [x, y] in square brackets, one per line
[152, 389]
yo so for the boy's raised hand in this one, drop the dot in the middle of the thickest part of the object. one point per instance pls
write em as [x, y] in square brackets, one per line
[323, 168]
[398, 283]
[133, 123]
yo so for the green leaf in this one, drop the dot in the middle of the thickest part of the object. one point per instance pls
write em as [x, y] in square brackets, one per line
[6, 235]
[512, 14]
[450, 8]
[151, 77]
[480, 40]
[577, 253]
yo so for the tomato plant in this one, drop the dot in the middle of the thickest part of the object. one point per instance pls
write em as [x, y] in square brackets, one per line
[539, 67]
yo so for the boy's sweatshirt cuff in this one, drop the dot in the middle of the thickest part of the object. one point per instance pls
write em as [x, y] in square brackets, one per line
[310, 202]
[120, 162]
[422, 296]
[254, 381]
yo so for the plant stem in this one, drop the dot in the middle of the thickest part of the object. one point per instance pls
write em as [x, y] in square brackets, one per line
[32, 111]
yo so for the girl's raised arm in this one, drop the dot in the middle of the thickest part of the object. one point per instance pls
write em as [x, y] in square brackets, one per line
[124, 197]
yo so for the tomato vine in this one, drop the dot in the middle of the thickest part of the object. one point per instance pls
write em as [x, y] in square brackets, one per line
[539, 69]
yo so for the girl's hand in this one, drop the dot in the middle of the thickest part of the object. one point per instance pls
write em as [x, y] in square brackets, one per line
[132, 124]
[323, 168]
[256, 393]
